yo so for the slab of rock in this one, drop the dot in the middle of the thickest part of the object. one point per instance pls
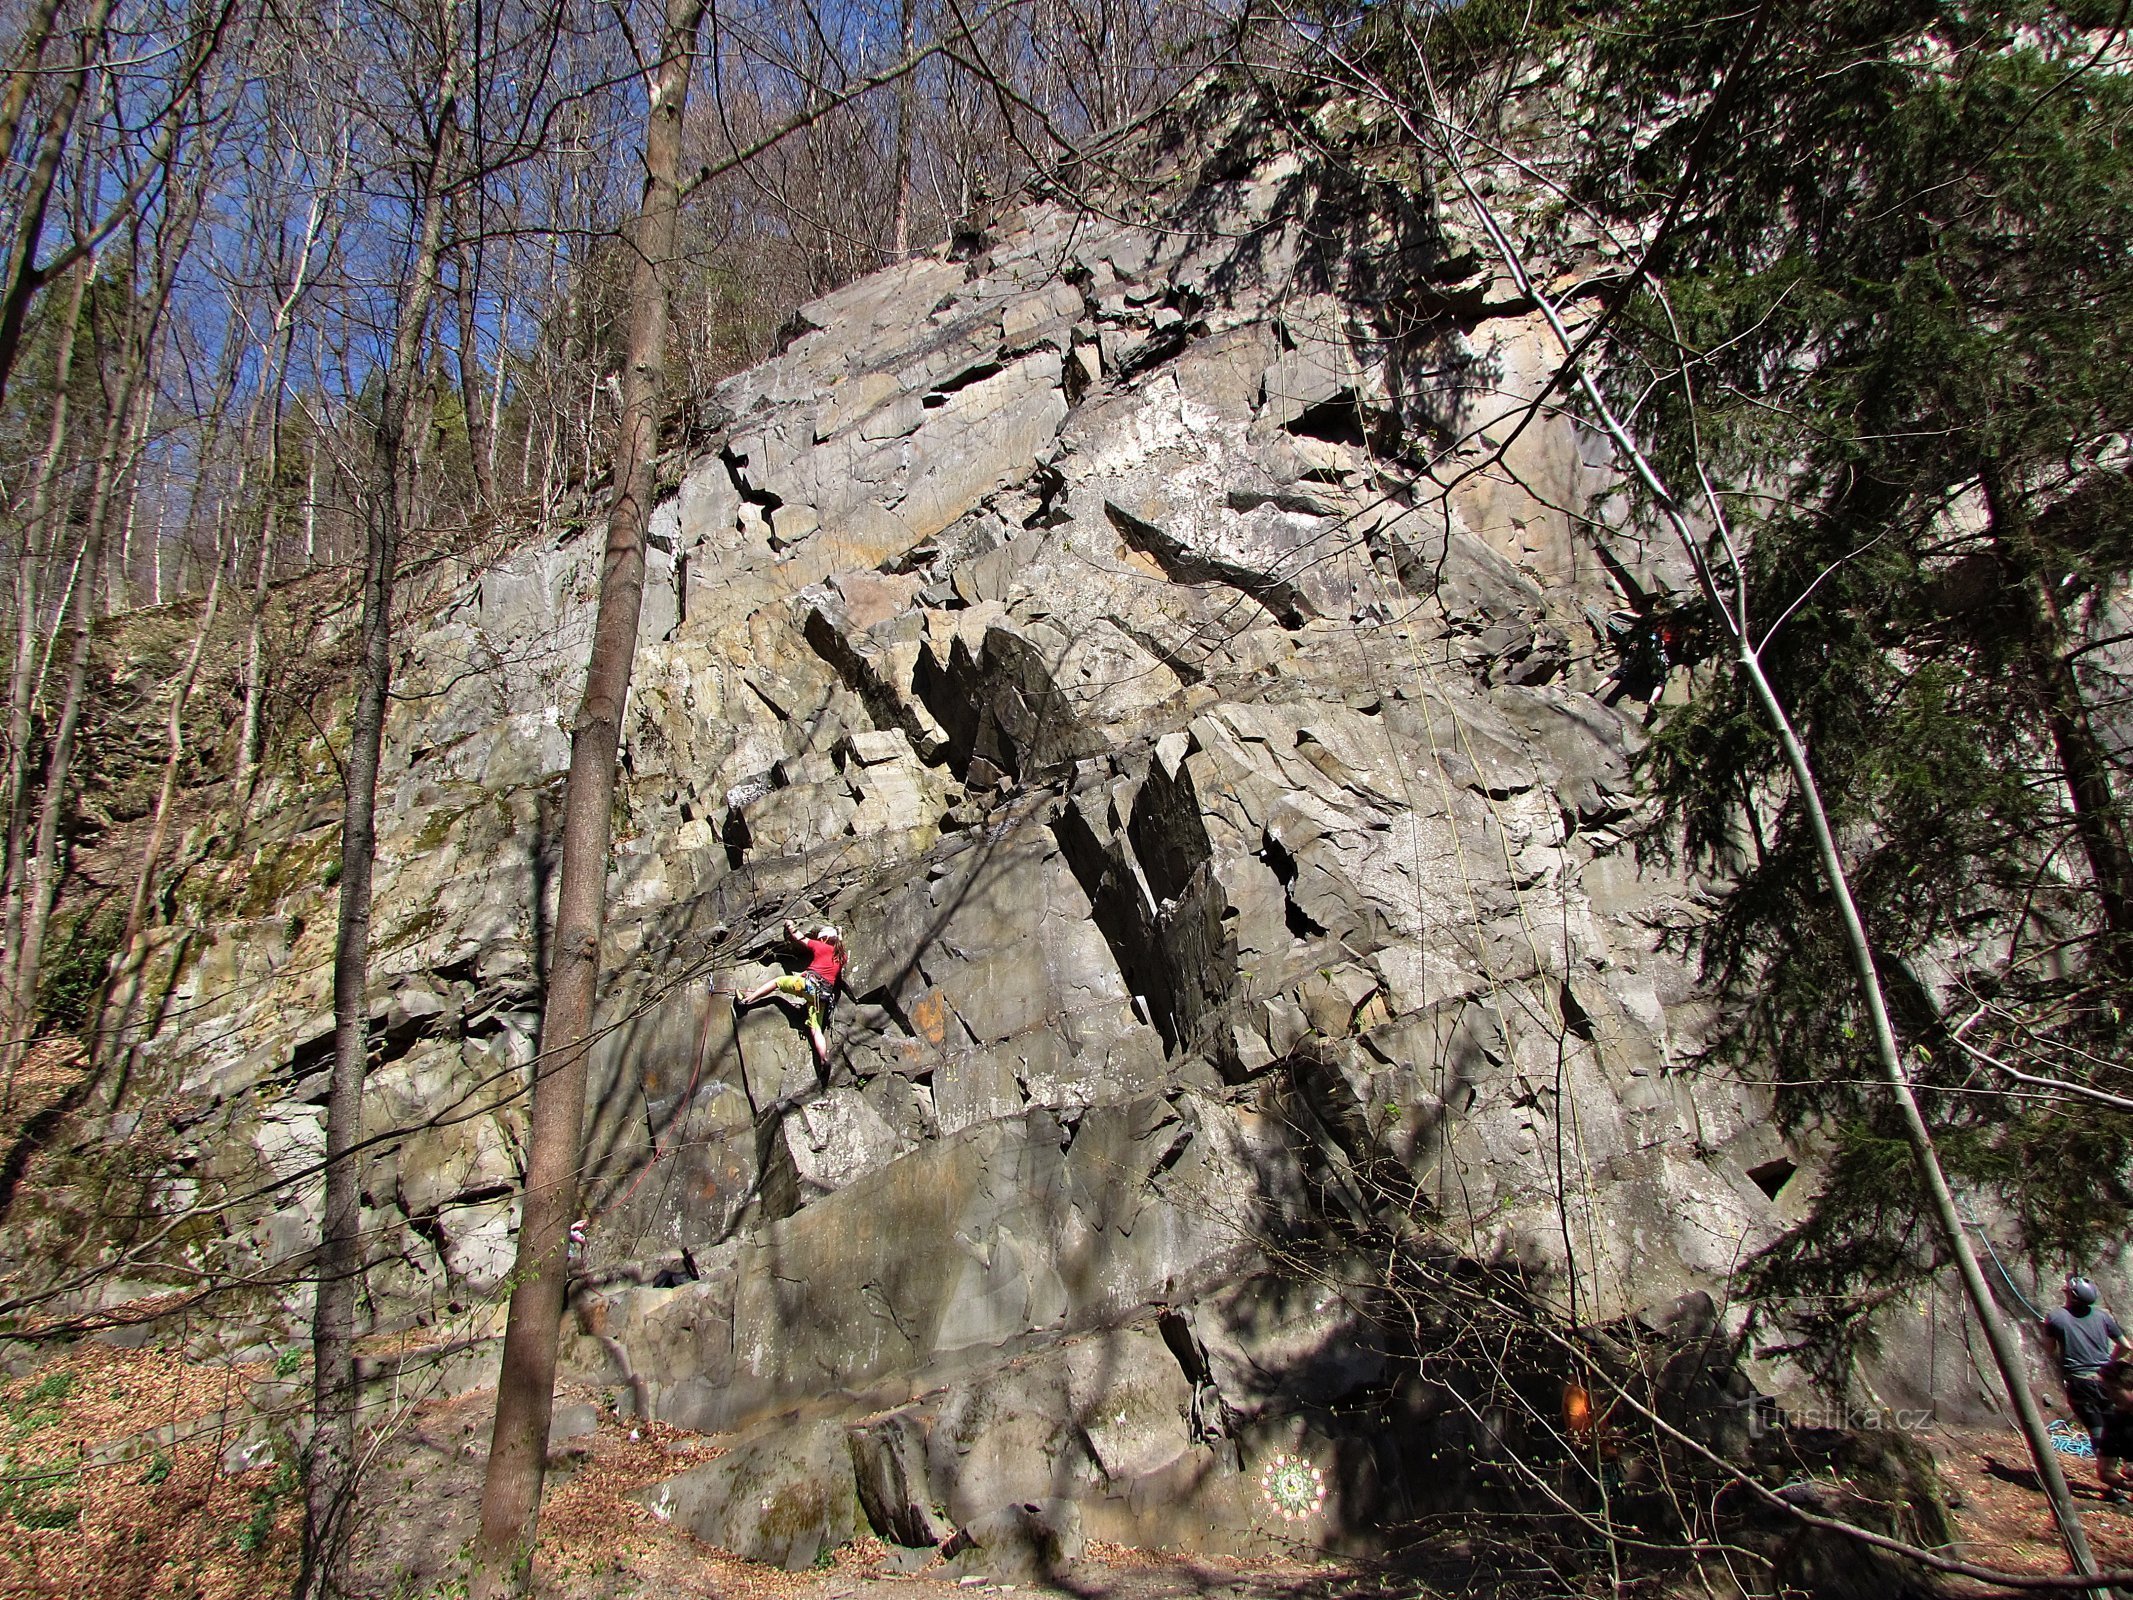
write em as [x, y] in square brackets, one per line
[889, 1467]
[836, 1138]
[1132, 1401]
[784, 1494]
[1026, 1541]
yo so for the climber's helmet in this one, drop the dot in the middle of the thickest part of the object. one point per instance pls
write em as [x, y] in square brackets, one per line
[828, 934]
[2080, 1291]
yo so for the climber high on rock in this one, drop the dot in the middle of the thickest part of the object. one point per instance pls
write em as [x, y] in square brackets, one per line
[816, 987]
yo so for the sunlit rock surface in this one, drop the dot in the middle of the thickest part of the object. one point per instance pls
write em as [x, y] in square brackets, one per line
[1222, 817]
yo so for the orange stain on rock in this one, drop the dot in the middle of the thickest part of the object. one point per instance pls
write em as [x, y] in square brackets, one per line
[929, 1015]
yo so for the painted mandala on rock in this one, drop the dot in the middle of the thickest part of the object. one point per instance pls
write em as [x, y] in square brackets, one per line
[1293, 1487]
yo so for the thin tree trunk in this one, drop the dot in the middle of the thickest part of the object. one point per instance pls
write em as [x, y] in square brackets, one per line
[311, 506]
[20, 726]
[518, 1447]
[329, 1479]
[174, 757]
[118, 583]
[23, 275]
[496, 381]
[906, 90]
[254, 688]
[2098, 823]
[470, 388]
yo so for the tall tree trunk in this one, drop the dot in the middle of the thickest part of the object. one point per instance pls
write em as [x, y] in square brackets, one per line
[311, 505]
[906, 90]
[118, 584]
[174, 757]
[254, 650]
[471, 399]
[329, 1490]
[23, 275]
[2098, 821]
[157, 552]
[21, 670]
[518, 1447]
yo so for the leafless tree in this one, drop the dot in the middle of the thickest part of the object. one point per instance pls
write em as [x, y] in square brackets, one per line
[519, 1442]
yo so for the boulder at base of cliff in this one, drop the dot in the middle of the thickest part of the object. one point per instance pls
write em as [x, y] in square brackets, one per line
[782, 1493]
[1029, 1541]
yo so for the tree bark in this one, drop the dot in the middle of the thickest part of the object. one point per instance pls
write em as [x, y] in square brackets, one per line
[906, 90]
[2098, 821]
[23, 275]
[22, 669]
[118, 582]
[329, 1485]
[471, 399]
[511, 1495]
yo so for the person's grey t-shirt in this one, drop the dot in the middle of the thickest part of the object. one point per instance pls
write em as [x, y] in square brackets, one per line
[2084, 1341]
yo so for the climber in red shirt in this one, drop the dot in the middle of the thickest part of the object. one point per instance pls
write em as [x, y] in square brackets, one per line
[817, 986]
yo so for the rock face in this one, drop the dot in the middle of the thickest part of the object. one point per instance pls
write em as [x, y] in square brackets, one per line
[1221, 814]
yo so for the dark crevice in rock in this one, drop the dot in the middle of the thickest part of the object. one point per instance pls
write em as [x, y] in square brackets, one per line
[1002, 707]
[1048, 484]
[1346, 420]
[950, 692]
[1158, 904]
[1577, 1022]
[884, 704]
[1180, 1142]
[734, 836]
[790, 332]
[1121, 910]
[737, 469]
[1772, 1176]
[1277, 857]
[1185, 672]
[1283, 601]
[1303, 505]
[937, 396]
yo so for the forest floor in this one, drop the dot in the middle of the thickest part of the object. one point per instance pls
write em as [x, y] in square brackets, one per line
[2000, 1509]
[118, 1479]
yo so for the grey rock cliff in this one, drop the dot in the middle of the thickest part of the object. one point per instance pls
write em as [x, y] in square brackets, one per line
[1216, 801]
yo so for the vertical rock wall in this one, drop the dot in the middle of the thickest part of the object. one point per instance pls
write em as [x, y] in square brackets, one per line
[1219, 806]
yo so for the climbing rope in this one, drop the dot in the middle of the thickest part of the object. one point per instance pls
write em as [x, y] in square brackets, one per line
[2007, 1277]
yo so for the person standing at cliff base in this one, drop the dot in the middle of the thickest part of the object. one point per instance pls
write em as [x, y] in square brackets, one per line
[2086, 1339]
[816, 988]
